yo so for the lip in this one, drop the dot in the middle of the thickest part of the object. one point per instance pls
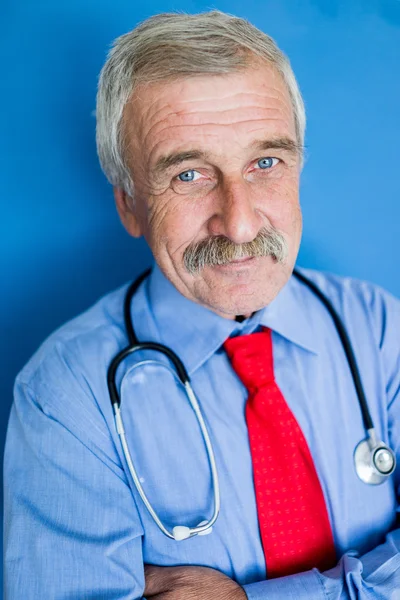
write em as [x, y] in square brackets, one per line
[240, 263]
[241, 260]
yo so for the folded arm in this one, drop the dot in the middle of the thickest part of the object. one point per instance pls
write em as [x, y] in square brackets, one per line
[71, 525]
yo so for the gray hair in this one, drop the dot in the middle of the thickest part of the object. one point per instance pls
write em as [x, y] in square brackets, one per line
[169, 46]
[220, 250]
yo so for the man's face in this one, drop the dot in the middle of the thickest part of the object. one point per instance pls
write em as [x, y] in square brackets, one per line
[212, 156]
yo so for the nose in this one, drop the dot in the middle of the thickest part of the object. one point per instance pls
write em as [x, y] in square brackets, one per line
[236, 216]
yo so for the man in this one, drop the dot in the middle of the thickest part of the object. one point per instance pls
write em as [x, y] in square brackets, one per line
[200, 131]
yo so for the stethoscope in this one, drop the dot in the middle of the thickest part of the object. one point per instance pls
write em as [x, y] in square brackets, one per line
[374, 461]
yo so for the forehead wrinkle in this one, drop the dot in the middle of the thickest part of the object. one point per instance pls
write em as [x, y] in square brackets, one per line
[171, 146]
[172, 112]
[141, 114]
[193, 146]
[227, 118]
[233, 97]
[271, 94]
[222, 125]
[162, 121]
[269, 103]
[175, 110]
[275, 89]
[274, 115]
[198, 111]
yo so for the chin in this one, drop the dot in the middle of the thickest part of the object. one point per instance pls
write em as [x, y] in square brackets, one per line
[230, 307]
[245, 291]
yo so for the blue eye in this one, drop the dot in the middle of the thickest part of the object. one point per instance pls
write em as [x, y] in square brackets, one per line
[187, 175]
[266, 163]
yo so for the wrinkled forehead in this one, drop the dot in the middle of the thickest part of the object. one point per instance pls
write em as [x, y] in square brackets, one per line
[209, 110]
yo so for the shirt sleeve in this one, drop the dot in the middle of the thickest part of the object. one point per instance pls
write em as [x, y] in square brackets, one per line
[72, 529]
[376, 574]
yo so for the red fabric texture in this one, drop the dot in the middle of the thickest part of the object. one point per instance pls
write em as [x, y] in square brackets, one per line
[294, 524]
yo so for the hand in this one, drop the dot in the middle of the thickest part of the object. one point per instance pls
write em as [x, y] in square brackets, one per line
[190, 583]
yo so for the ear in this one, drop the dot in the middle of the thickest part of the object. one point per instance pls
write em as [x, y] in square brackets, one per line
[127, 213]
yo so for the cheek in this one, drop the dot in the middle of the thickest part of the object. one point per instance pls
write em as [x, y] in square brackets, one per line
[175, 222]
[280, 202]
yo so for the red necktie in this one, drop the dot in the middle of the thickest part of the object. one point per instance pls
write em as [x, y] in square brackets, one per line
[292, 515]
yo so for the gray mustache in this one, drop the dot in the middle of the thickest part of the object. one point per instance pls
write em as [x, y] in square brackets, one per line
[219, 250]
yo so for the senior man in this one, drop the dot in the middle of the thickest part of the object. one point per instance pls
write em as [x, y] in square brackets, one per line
[200, 128]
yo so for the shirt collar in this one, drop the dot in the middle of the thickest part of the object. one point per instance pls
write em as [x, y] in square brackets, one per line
[194, 332]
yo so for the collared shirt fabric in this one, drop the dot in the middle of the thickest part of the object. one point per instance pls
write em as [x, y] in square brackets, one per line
[75, 526]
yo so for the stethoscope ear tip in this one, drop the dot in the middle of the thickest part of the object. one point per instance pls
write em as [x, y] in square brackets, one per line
[180, 532]
[206, 531]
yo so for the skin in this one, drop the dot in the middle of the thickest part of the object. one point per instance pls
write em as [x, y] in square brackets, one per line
[190, 583]
[223, 117]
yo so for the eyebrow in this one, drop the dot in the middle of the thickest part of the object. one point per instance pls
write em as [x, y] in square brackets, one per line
[283, 143]
[172, 160]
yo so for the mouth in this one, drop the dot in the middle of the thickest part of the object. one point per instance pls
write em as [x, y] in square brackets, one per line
[237, 264]
[245, 259]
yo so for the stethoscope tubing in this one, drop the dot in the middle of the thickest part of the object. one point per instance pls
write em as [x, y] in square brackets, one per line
[112, 370]
[366, 416]
[366, 450]
[185, 380]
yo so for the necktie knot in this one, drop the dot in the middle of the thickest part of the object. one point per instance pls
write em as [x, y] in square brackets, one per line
[251, 358]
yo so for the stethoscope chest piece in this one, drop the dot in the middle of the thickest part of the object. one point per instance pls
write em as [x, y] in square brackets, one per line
[374, 461]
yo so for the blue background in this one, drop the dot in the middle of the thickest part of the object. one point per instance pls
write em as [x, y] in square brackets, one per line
[62, 245]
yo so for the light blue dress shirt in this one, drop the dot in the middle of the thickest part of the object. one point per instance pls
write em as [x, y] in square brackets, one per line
[75, 527]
